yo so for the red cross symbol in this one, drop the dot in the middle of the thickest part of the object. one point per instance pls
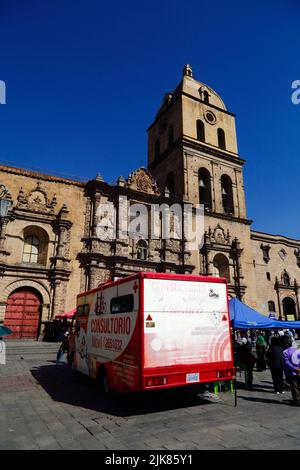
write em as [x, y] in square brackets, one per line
[135, 287]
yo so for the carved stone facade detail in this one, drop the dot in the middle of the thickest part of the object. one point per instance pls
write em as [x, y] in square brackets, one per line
[218, 235]
[36, 200]
[141, 180]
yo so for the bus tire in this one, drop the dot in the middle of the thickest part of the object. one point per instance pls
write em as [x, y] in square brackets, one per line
[75, 371]
[71, 358]
[102, 381]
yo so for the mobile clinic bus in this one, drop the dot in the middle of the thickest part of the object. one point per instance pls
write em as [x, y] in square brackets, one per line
[150, 331]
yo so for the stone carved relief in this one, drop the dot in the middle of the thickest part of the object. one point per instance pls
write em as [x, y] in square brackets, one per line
[67, 244]
[172, 257]
[36, 200]
[173, 245]
[98, 276]
[219, 236]
[88, 212]
[141, 180]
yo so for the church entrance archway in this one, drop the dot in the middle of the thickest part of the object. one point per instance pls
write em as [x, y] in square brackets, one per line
[289, 308]
[23, 313]
[221, 266]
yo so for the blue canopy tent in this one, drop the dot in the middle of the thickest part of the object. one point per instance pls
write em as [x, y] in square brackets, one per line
[245, 317]
[295, 325]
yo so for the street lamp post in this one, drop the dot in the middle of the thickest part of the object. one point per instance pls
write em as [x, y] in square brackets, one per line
[5, 203]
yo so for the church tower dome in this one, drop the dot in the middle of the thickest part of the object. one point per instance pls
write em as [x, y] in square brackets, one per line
[194, 132]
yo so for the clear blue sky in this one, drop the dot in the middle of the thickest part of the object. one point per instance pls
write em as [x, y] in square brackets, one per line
[84, 79]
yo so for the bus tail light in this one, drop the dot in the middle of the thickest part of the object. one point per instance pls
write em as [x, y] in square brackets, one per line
[154, 381]
[224, 374]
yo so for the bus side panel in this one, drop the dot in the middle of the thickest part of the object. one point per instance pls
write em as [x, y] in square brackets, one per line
[124, 373]
[113, 338]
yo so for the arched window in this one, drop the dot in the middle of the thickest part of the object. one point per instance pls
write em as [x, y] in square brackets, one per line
[206, 96]
[142, 250]
[227, 195]
[204, 188]
[171, 135]
[170, 183]
[286, 279]
[31, 249]
[200, 130]
[157, 148]
[35, 248]
[271, 306]
[221, 139]
[221, 266]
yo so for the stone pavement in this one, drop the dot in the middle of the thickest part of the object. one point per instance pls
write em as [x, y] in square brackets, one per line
[44, 406]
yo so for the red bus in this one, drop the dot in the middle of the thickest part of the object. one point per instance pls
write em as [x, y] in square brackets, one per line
[151, 330]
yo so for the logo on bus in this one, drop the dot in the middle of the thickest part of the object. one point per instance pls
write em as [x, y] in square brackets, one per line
[100, 304]
[213, 294]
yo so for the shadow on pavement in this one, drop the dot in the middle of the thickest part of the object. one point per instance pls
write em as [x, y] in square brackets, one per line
[267, 400]
[78, 390]
[264, 387]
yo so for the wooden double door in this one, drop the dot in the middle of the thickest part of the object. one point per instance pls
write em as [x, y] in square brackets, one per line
[23, 314]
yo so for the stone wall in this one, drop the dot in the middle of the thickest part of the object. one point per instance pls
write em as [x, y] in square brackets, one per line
[54, 210]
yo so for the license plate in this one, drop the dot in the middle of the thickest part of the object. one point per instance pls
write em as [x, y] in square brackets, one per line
[192, 377]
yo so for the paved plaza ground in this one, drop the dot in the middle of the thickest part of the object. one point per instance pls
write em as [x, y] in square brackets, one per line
[44, 406]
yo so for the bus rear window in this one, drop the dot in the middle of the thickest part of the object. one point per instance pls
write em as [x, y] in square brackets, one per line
[122, 304]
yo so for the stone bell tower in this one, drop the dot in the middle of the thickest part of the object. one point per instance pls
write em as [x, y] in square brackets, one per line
[192, 150]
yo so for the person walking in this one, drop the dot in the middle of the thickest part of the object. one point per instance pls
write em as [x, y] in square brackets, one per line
[291, 357]
[261, 347]
[253, 338]
[268, 337]
[62, 355]
[276, 363]
[246, 360]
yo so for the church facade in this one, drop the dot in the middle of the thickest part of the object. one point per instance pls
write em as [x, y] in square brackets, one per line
[50, 248]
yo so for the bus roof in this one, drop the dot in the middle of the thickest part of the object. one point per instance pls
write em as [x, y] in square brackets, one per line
[151, 275]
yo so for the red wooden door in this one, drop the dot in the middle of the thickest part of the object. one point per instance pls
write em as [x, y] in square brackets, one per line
[22, 314]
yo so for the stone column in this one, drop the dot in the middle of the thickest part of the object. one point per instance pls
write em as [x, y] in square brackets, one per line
[297, 298]
[3, 226]
[213, 186]
[63, 227]
[60, 245]
[210, 262]
[278, 298]
[96, 203]
[236, 254]
[98, 274]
